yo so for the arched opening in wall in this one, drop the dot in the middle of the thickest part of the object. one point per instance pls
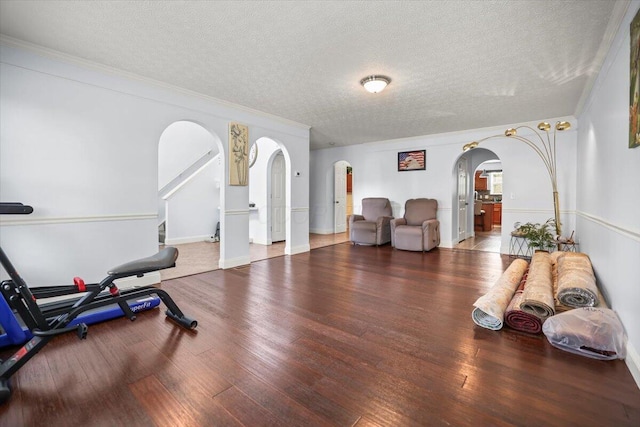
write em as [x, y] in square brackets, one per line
[342, 195]
[190, 171]
[268, 201]
[478, 197]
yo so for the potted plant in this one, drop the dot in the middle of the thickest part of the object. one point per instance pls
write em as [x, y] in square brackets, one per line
[538, 236]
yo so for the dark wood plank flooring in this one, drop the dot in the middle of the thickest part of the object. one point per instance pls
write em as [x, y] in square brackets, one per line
[344, 335]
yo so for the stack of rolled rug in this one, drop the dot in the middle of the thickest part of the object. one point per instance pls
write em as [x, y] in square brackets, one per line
[576, 281]
[537, 297]
[519, 320]
[489, 308]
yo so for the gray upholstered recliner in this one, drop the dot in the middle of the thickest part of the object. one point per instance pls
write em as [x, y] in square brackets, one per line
[419, 230]
[372, 227]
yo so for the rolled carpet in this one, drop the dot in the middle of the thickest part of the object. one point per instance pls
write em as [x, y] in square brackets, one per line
[588, 331]
[576, 281]
[519, 320]
[537, 297]
[489, 308]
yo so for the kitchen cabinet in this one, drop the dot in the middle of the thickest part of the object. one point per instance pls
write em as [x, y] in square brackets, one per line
[497, 213]
[480, 184]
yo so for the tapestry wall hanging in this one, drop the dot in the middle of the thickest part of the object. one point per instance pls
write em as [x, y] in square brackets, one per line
[634, 93]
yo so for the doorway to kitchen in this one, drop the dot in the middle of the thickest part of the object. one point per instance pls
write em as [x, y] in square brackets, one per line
[482, 195]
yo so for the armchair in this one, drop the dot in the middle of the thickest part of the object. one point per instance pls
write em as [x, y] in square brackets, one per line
[372, 227]
[419, 229]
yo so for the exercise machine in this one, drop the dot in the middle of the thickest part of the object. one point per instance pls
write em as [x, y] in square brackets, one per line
[14, 332]
[43, 324]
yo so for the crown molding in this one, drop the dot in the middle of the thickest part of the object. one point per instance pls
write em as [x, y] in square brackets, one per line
[112, 71]
[612, 42]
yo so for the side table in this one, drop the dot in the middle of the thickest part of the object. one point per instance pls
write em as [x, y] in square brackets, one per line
[518, 247]
[567, 247]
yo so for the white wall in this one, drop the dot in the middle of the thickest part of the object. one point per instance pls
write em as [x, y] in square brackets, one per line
[79, 142]
[527, 188]
[194, 205]
[608, 191]
[194, 210]
[181, 144]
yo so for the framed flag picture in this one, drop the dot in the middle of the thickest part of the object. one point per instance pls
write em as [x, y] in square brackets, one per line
[412, 160]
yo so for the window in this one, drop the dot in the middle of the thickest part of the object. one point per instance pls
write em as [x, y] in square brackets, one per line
[495, 183]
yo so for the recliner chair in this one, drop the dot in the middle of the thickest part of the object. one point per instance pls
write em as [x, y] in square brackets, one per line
[372, 227]
[419, 229]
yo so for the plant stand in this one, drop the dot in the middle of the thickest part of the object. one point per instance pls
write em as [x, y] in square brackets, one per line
[518, 247]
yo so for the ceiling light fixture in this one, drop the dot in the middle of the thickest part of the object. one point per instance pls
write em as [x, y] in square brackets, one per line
[375, 84]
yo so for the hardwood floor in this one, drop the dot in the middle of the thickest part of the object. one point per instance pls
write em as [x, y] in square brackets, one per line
[344, 335]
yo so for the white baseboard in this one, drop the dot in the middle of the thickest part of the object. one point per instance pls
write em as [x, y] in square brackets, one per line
[297, 249]
[321, 231]
[633, 362]
[446, 244]
[152, 278]
[182, 240]
[234, 262]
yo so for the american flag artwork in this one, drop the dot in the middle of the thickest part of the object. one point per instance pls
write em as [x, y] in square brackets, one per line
[411, 160]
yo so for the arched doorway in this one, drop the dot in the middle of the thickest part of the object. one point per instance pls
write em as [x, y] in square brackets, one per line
[190, 171]
[478, 196]
[269, 182]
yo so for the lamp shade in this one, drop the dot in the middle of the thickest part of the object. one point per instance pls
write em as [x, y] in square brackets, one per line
[375, 84]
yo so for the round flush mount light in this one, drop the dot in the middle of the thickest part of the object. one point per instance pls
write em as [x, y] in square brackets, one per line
[375, 84]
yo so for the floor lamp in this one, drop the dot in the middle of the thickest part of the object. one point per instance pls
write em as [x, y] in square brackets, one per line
[544, 148]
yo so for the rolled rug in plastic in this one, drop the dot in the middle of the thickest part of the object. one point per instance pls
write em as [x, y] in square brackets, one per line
[588, 331]
[576, 281]
[489, 308]
[537, 297]
[519, 320]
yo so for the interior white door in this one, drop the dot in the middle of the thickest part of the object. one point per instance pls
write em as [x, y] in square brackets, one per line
[462, 199]
[340, 197]
[278, 199]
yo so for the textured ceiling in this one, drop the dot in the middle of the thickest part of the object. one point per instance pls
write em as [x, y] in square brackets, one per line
[454, 65]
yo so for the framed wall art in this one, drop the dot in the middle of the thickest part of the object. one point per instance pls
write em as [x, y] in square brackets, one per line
[238, 154]
[634, 92]
[412, 160]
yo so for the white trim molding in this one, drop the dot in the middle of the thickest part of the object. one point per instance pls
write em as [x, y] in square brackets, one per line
[152, 278]
[297, 249]
[232, 212]
[77, 219]
[631, 234]
[321, 231]
[183, 240]
[111, 71]
[225, 264]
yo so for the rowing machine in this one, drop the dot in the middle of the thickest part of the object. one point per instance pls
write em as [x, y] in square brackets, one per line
[45, 326]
